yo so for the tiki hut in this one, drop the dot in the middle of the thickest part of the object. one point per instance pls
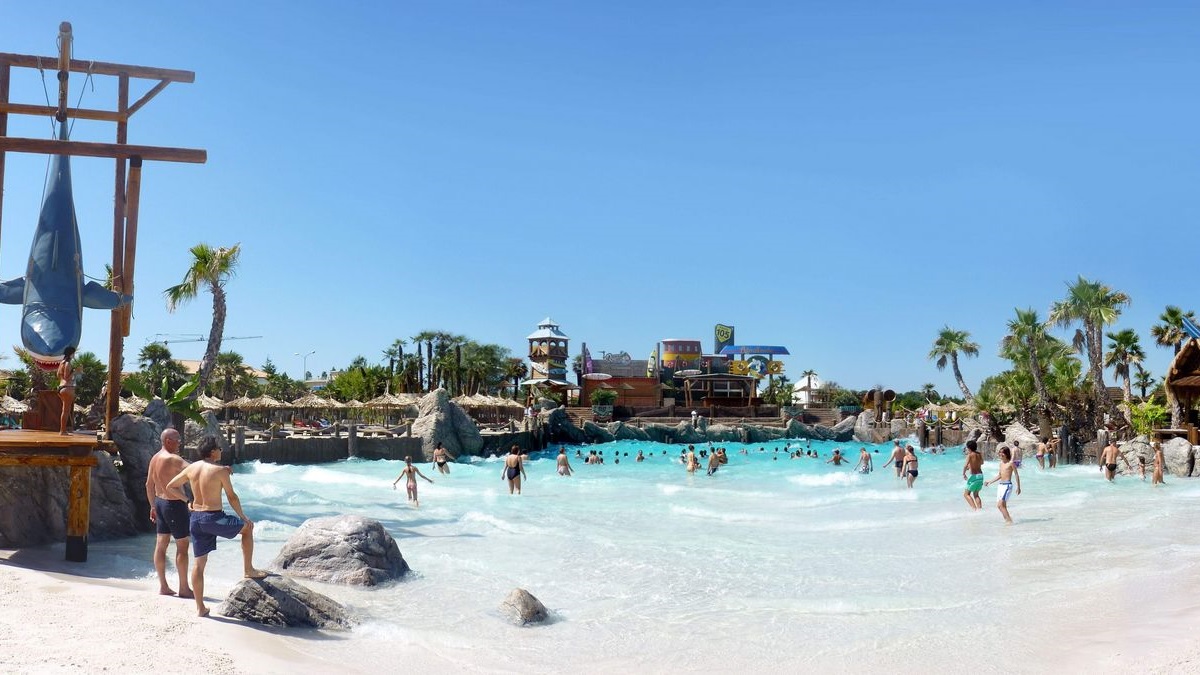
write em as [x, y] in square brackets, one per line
[1183, 389]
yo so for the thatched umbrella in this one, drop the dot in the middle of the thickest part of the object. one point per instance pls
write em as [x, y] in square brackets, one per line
[12, 406]
[207, 402]
[131, 406]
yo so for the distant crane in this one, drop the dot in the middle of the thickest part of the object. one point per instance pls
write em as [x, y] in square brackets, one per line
[192, 337]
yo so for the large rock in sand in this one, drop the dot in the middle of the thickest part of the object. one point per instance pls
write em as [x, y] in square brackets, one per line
[276, 601]
[342, 550]
[522, 609]
[440, 420]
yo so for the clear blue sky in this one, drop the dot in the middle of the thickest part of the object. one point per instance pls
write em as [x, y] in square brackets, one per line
[839, 178]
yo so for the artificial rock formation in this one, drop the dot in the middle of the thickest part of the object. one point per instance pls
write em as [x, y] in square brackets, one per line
[276, 601]
[440, 420]
[344, 550]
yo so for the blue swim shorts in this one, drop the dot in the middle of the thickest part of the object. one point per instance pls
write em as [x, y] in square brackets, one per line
[208, 525]
[172, 517]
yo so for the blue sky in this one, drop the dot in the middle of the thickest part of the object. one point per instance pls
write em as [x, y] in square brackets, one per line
[840, 178]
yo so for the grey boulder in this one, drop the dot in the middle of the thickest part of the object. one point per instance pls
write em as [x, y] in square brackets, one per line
[440, 420]
[276, 601]
[349, 550]
[522, 609]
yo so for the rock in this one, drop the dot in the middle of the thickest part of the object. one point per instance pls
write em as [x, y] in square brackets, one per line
[623, 432]
[33, 504]
[1180, 457]
[212, 427]
[843, 431]
[897, 427]
[440, 420]
[755, 434]
[660, 433]
[276, 601]
[863, 432]
[718, 433]
[1019, 432]
[342, 549]
[560, 428]
[522, 609]
[156, 410]
[596, 433]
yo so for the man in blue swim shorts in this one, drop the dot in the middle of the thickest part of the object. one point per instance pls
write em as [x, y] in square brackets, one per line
[168, 512]
[209, 521]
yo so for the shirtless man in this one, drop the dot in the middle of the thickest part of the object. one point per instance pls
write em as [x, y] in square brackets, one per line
[1004, 481]
[411, 472]
[208, 521]
[1159, 462]
[1040, 452]
[1108, 460]
[168, 512]
[1052, 453]
[714, 462]
[910, 465]
[864, 461]
[564, 465]
[837, 458]
[514, 470]
[1016, 454]
[897, 458]
[973, 473]
[442, 459]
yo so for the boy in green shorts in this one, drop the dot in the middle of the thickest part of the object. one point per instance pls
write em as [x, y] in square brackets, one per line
[974, 465]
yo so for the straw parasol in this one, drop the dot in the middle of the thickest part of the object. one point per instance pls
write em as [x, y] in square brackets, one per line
[310, 400]
[207, 402]
[240, 402]
[265, 402]
[11, 405]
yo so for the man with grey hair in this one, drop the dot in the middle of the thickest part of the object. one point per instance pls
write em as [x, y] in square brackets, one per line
[168, 512]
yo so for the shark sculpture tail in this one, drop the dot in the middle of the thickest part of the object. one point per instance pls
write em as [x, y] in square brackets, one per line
[52, 294]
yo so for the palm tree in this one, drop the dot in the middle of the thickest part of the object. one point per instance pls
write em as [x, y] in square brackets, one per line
[1124, 350]
[1170, 333]
[1144, 380]
[427, 337]
[394, 354]
[515, 370]
[1093, 305]
[210, 269]
[808, 375]
[946, 348]
[229, 369]
[1027, 334]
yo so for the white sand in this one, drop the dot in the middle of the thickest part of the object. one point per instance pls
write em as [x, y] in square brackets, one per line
[55, 618]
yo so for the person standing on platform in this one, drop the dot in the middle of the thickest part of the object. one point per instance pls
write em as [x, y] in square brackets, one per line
[67, 375]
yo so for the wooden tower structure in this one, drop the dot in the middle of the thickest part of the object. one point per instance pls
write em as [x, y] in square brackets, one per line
[75, 451]
[548, 357]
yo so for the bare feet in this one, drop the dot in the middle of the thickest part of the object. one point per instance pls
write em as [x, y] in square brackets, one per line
[257, 574]
[186, 594]
[167, 591]
[202, 613]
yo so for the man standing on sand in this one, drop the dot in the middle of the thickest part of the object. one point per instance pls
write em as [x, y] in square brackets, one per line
[897, 458]
[514, 469]
[1004, 481]
[168, 512]
[973, 474]
[1108, 460]
[209, 520]
[564, 465]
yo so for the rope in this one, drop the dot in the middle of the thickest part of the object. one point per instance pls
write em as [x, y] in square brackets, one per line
[82, 90]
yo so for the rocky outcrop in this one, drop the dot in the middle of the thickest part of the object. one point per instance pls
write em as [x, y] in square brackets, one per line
[440, 420]
[342, 550]
[560, 428]
[522, 609]
[193, 432]
[157, 412]
[623, 432]
[862, 427]
[137, 437]
[276, 601]
[596, 433]
[843, 431]
[1019, 432]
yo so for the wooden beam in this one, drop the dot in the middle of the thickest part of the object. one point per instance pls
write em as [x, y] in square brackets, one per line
[116, 335]
[5, 70]
[50, 111]
[112, 150]
[46, 460]
[100, 68]
[133, 193]
[146, 99]
[78, 507]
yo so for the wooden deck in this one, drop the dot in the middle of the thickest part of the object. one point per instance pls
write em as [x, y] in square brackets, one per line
[26, 447]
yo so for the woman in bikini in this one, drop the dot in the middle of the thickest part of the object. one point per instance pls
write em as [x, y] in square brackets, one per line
[67, 375]
[440, 460]
[410, 472]
[910, 465]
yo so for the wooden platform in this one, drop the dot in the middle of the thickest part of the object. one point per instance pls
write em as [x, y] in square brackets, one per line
[25, 447]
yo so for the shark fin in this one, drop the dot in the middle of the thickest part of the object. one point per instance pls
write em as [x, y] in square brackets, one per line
[13, 292]
[96, 296]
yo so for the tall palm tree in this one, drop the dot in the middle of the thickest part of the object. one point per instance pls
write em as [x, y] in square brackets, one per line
[1124, 350]
[1028, 333]
[929, 391]
[1093, 305]
[1170, 333]
[394, 354]
[427, 337]
[1143, 380]
[210, 269]
[946, 348]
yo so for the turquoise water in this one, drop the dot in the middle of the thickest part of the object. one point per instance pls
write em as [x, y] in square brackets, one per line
[773, 564]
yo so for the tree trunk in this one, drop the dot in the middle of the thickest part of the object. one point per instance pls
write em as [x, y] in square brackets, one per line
[429, 365]
[214, 339]
[958, 376]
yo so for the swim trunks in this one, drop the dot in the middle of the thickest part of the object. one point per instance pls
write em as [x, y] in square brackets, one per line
[206, 526]
[899, 464]
[912, 472]
[513, 472]
[441, 462]
[1017, 463]
[975, 482]
[1003, 490]
[1111, 467]
[172, 517]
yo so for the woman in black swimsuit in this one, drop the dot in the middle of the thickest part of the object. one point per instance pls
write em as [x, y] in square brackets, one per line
[440, 458]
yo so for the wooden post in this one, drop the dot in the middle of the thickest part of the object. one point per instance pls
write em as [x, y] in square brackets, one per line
[116, 340]
[64, 69]
[78, 503]
[5, 72]
[352, 441]
[132, 201]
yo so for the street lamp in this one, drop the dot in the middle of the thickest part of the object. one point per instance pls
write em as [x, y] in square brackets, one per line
[304, 364]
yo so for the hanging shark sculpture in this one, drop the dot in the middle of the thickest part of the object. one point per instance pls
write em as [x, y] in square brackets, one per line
[52, 294]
